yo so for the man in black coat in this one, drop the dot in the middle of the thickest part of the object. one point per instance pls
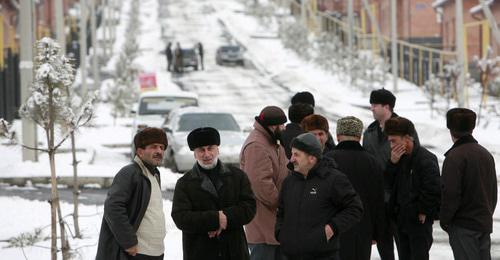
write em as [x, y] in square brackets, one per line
[316, 205]
[133, 225]
[365, 175]
[170, 55]
[469, 193]
[416, 194]
[212, 202]
[375, 142]
[296, 113]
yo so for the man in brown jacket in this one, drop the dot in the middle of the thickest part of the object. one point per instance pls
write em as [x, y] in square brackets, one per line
[264, 160]
[469, 190]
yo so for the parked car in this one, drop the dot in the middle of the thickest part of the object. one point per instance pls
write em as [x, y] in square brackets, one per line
[154, 106]
[181, 121]
[189, 59]
[229, 54]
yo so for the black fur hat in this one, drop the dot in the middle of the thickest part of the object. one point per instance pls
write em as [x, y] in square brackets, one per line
[399, 126]
[461, 120]
[303, 97]
[382, 96]
[150, 135]
[203, 136]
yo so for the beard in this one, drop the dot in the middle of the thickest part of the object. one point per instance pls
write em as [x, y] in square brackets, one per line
[278, 135]
[208, 166]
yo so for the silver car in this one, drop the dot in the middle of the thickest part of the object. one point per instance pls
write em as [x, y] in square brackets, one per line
[229, 54]
[181, 121]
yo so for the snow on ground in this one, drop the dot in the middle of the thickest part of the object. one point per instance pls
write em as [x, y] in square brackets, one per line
[104, 147]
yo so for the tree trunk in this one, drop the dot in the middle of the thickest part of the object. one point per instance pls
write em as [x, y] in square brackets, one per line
[64, 242]
[53, 205]
[76, 191]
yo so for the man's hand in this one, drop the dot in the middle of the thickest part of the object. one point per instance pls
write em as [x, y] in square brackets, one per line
[374, 242]
[328, 232]
[132, 251]
[421, 218]
[215, 233]
[396, 152]
[222, 221]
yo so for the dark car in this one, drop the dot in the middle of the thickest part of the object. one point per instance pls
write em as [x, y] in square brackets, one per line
[189, 59]
[229, 54]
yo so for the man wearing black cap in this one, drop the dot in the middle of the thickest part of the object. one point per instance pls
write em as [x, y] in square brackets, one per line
[413, 172]
[469, 194]
[264, 160]
[212, 202]
[296, 113]
[133, 225]
[375, 142]
[316, 205]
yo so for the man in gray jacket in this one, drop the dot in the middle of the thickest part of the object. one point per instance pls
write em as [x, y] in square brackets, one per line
[133, 225]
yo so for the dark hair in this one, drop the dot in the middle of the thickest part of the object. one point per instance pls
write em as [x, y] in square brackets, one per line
[298, 111]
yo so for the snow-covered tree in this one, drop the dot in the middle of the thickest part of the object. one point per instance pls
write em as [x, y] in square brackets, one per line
[48, 107]
[295, 36]
[432, 87]
[5, 130]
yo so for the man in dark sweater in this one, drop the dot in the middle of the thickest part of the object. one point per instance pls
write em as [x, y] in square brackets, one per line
[296, 113]
[212, 202]
[413, 172]
[316, 205]
[469, 193]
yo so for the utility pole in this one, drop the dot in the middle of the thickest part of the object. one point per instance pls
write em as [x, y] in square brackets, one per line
[26, 70]
[394, 45]
[460, 48]
[95, 56]
[59, 15]
[303, 13]
[83, 46]
[350, 33]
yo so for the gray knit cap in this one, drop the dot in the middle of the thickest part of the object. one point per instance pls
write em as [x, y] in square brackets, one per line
[307, 143]
[350, 126]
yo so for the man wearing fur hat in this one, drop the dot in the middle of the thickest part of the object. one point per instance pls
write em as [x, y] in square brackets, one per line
[469, 193]
[133, 225]
[413, 172]
[375, 141]
[318, 126]
[212, 202]
[296, 113]
[264, 160]
[317, 204]
[365, 175]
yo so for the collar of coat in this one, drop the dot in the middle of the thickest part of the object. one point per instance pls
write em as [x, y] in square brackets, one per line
[322, 169]
[375, 127]
[349, 145]
[461, 141]
[206, 183]
[144, 169]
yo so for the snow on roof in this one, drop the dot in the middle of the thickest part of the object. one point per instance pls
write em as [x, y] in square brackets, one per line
[479, 8]
[438, 3]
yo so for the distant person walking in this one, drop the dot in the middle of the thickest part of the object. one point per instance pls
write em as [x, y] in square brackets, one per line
[469, 194]
[133, 223]
[200, 52]
[178, 66]
[169, 55]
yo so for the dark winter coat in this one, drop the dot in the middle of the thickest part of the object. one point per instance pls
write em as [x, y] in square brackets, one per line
[168, 53]
[196, 203]
[307, 204]
[125, 206]
[415, 186]
[469, 193]
[329, 145]
[365, 175]
[291, 131]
